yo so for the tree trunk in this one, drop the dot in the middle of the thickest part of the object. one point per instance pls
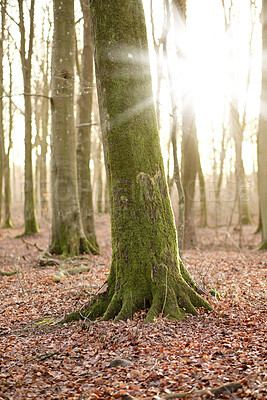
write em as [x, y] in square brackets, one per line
[7, 220]
[26, 62]
[2, 147]
[29, 203]
[84, 131]
[189, 171]
[68, 237]
[145, 271]
[244, 214]
[43, 155]
[262, 135]
[174, 130]
[203, 196]
[189, 145]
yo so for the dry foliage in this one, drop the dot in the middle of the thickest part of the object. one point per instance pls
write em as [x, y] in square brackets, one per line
[104, 360]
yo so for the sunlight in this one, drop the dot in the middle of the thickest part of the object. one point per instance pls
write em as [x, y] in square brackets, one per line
[212, 67]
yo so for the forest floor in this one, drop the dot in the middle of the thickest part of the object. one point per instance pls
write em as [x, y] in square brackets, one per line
[41, 360]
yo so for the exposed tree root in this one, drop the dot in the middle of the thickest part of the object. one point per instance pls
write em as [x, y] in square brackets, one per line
[173, 302]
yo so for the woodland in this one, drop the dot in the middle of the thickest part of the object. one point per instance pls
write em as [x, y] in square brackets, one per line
[133, 199]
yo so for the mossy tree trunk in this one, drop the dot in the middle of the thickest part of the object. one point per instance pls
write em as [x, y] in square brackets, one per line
[68, 237]
[26, 62]
[84, 130]
[262, 135]
[145, 271]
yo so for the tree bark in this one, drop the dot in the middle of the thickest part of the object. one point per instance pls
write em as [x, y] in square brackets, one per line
[68, 237]
[262, 135]
[145, 271]
[84, 131]
[99, 180]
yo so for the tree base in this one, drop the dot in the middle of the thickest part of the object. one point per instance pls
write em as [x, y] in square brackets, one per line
[74, 246]
[122, 304]
[8, 224]
[263, 246]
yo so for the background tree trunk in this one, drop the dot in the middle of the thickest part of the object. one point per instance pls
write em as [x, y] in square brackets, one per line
[84, 130]
[26, 62]
[2, 146]
[7, 219]
[68, 237]
[145, 270]
[190, 161]
[262, 135]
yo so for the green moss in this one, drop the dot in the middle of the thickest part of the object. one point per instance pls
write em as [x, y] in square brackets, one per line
[215, 293]
[46, 321]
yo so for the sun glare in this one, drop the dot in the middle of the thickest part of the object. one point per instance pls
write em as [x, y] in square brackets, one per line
[211, 65]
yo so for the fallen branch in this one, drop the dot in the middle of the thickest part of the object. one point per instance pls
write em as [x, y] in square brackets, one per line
[44, 262]
[227, 388]
[32, 244]
[43, 356]
[8, 273]
[72, 271]
[23, 291]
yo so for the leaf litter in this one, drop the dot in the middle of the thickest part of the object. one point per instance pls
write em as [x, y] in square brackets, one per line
[125, 360]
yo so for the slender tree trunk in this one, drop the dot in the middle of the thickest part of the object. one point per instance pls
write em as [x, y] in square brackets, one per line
[203, 196]
[244, 214]
[262, 135]
[174, 130]
[44, 146]
[189, 172]
[189, 162]
[7, 220]
[68, 237]
[145, 270]
[2, 146]
[84, 131]
[26, 62]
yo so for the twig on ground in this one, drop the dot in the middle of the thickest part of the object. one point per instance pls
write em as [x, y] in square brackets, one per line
[23, 291]
[227, 388]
